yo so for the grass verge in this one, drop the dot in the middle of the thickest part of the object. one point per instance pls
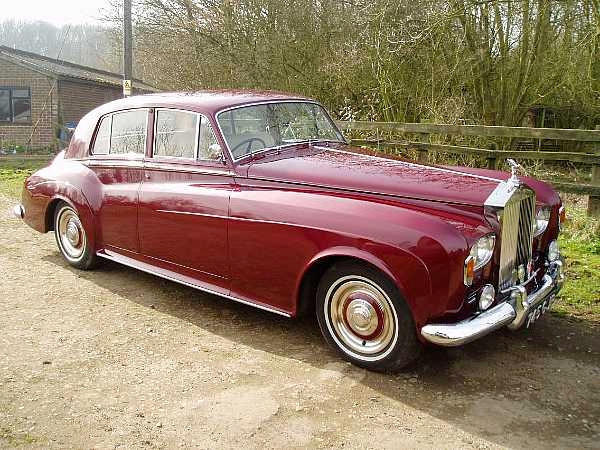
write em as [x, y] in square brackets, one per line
[13, 172]
[580, 243]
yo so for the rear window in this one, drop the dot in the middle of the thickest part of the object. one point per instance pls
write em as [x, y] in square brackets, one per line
[122, 133]
[128, 134]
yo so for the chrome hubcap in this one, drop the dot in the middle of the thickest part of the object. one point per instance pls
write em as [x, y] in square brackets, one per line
[71, 234]
[361, 316]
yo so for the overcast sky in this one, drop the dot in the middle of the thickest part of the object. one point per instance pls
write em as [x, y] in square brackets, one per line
[57, 12]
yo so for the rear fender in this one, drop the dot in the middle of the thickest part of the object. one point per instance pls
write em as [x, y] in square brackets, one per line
[40, 200]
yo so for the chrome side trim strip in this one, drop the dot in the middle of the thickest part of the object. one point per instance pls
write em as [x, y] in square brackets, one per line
[241, 219]
[141, 266]
[187, 213]
[190, 167]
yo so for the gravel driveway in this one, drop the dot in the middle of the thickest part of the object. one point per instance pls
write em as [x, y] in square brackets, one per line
[118, 358]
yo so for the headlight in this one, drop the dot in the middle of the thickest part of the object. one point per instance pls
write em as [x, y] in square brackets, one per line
[483, 250]
[542, 219]
[479, 256]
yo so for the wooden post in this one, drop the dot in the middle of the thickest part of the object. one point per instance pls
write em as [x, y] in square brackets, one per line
[594, 200]
[127, 50]
[422, 154]
[492, 163]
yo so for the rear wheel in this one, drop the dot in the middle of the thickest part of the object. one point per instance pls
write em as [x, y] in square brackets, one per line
[71, 237]
[362, 315]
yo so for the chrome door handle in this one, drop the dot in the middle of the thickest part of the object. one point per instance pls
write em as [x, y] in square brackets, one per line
[147, 176]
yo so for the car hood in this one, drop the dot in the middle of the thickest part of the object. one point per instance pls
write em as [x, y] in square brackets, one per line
[347, 170]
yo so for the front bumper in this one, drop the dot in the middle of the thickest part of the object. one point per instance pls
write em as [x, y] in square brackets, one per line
[512, 313]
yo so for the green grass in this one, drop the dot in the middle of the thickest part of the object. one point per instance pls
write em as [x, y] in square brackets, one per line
[13, 172]
[14, 439]
[580, 243]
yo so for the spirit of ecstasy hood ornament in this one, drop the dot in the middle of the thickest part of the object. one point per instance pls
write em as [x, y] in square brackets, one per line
[515, 167]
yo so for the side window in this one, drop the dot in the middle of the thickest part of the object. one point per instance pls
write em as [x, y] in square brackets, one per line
[129, 132]
[102, 142]
[208, 148]
[175, 134]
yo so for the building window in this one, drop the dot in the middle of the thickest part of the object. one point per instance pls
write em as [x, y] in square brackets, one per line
[15, 105]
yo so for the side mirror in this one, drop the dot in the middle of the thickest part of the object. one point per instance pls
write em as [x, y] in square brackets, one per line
[215, 152]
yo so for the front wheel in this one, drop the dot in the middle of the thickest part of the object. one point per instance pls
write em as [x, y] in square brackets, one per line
[71, 237]
[362, 315]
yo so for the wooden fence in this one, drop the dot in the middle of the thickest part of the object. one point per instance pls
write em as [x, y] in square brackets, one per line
[493, 157]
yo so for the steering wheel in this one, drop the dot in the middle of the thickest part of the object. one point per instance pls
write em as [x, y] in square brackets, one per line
[248, 141]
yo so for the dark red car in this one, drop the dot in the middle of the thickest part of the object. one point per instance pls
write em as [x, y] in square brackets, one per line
[258, 198]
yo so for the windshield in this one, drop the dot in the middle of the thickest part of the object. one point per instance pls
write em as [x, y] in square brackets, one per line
[250, 129]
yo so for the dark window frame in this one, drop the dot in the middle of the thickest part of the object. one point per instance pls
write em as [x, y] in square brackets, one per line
[10, 90]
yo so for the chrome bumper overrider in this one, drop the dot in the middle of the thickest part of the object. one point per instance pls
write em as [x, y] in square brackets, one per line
[512, 313]
[19, 211]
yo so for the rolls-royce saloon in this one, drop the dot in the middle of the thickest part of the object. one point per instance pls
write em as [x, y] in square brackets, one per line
[258, 198]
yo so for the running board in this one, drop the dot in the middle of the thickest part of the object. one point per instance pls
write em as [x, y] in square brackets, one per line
[148, 268]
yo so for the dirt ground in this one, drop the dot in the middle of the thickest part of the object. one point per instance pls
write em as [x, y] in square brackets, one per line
[118, 358]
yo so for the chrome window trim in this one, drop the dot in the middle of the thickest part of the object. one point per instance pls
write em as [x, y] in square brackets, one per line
[112, 114]
[154, 134]
[201, 117]
[96, 131]
[269, 102]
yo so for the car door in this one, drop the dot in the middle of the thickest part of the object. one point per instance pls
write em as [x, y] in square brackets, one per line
[184, 200]
[117, 160]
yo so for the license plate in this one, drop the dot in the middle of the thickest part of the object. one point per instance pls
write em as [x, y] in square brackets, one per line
[539, 310]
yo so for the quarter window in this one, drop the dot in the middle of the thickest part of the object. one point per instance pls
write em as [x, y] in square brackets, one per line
[208, 148]
[176, 134]
[15, 105]
[128, 133]
[102, 142]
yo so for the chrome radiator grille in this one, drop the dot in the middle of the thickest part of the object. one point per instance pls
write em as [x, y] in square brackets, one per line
[516, 235]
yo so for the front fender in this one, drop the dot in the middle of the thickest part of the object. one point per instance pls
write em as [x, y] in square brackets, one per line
[407, 272]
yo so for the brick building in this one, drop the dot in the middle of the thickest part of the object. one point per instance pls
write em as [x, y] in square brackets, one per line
[40, 95]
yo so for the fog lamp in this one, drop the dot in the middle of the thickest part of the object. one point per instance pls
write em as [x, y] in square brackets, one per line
[487, 296]
[553, 251]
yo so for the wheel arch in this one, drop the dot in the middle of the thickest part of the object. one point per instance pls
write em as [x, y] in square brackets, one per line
[320, 263]
[79, 203]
